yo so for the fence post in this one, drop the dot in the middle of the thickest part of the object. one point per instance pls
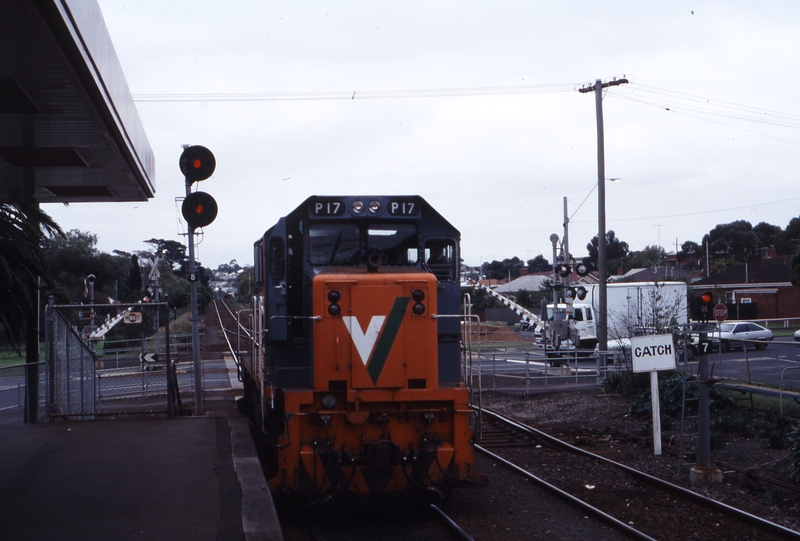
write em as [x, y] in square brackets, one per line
[527, 376]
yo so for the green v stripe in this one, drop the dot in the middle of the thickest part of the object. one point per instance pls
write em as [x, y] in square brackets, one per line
[386, 340]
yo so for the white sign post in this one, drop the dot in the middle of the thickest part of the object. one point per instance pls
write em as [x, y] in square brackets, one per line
[651, 354]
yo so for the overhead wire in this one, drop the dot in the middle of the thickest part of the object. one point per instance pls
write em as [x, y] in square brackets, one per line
[714, 211]
[359, 94]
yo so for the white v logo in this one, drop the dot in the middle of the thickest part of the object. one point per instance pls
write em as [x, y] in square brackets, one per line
[364, 341]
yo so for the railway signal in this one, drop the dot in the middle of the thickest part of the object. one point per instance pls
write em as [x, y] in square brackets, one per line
[197, 163]
[199, 209]
[705, 299]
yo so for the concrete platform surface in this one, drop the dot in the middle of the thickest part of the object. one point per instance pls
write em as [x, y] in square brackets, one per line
[167, 479]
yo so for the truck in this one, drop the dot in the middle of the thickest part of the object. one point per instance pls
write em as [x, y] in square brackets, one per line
[634, 308]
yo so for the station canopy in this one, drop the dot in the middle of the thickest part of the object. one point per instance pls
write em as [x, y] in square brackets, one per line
[69, 130]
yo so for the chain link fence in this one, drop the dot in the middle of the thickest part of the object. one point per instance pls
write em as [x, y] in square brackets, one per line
[111, 359]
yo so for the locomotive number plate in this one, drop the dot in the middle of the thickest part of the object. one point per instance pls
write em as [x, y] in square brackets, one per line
[403, 207]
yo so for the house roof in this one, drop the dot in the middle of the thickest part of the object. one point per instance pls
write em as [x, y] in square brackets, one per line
[773, 270]
[657, 274]
[531, 282]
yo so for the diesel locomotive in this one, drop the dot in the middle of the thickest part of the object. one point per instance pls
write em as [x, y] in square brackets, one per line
[355, 377]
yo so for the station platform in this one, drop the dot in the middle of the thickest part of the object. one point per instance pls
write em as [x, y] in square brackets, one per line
[191, 478]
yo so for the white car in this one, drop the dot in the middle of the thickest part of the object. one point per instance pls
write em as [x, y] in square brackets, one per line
[797, 335]
[741, 334]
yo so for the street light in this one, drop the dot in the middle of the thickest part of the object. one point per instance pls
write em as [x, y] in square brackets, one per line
[554, 240]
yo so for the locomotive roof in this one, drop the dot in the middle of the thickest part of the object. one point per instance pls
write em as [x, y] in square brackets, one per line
[388, 209]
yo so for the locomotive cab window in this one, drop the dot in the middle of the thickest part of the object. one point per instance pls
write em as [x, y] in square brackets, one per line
[440, 257]
[398, 242]
[334, 244]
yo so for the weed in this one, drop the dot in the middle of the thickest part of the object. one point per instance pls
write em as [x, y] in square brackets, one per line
[794, 453]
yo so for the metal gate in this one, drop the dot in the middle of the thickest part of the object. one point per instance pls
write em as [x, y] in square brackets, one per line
[110, 359]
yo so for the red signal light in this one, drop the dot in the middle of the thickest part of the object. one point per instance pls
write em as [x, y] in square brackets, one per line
[199, 209]
[706, 298]
[197, 163]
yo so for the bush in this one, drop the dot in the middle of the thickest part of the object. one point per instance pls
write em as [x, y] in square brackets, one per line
[794, 453]
[776, 430]
[670, 392]
[625, 383]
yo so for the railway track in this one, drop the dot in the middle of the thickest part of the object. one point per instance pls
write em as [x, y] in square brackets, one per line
[632, 501]
[230, 334]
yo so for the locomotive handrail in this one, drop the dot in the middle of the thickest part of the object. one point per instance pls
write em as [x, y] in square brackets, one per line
[272, 361]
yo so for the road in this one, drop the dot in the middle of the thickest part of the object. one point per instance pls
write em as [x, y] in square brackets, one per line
[757, 367]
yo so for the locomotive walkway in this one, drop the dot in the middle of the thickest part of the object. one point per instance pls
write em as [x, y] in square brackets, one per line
[192, 478]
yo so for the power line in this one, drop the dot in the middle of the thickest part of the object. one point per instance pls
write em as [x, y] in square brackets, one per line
[698, 212]
[360, 94]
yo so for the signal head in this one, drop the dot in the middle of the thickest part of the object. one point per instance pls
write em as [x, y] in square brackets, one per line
[199, 209]
[197, 163]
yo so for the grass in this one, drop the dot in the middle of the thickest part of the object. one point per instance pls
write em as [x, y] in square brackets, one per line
[766, 404]
[10, 356]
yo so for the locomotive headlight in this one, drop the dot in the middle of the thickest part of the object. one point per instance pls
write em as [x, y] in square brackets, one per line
[374, 207]
[333, 297]
[357, 207]
[329, 401]
[417, 295]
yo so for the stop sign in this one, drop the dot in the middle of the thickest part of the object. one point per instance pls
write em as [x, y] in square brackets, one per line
[720, 312]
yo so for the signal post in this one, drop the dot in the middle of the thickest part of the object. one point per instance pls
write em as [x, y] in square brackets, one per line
[199, 209]
[703, 470]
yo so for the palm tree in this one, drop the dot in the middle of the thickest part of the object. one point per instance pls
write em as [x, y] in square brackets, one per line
[22, 229]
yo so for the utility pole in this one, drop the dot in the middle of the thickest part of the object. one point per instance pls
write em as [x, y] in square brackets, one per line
[602, 316]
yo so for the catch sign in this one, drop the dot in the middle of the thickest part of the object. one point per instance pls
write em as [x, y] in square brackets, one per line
[651, 353]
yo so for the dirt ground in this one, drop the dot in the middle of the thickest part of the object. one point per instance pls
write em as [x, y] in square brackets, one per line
[600, 423]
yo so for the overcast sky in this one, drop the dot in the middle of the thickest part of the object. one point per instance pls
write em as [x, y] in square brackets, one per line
[495, 134]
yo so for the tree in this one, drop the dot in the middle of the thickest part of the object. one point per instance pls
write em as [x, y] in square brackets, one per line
[171, 250]
[23, 229]
[651, 256]
[795, 266]
[768, 234]
[615, 250]
[133, 286]
[247, 286]
[789, 241]
[70, 258]
[691, 248]
[690, 255]
[500, 270]
[539, 264]
[736, 239]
